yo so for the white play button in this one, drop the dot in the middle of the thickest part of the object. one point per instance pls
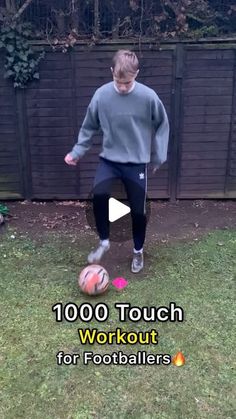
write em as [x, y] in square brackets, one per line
[117, 209]
[120, 223]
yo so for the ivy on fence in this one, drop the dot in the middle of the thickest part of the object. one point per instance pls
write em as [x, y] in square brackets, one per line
[21, 61]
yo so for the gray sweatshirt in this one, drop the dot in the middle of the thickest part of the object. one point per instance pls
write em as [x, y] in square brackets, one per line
[134, 125]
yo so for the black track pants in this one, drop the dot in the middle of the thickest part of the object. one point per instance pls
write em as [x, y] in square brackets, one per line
[134, 178]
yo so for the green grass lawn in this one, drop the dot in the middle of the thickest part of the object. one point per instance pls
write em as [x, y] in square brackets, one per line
[199, 276]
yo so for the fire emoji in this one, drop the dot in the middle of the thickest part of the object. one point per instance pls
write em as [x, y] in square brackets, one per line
[178, 360]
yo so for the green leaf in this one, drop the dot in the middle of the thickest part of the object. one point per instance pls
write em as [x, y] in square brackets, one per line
[8, 73]
[26, 33]
[11, 35]
[4, 29]
[22, 56]
[16, 67]
[25, 47]
[3, 209]
[36, 76]
[10, 59]
[10, 48]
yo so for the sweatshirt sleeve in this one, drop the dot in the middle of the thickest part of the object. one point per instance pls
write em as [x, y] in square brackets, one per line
[89, 127]
[161, 133]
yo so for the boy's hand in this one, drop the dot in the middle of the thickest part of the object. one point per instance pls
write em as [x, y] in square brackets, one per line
[154, 170]
[69, 160]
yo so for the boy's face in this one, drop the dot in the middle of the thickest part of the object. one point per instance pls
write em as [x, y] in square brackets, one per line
[124, 84]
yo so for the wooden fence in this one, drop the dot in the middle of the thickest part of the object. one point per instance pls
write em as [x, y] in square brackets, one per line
[39, 125]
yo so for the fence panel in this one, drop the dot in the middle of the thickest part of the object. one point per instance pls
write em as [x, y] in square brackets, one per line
[206, 119]
[49, 104]
[11, 182]
[230, 182]
[40, 124]
[56, 107]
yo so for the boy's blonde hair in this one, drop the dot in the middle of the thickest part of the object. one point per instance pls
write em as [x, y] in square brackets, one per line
[125, 61]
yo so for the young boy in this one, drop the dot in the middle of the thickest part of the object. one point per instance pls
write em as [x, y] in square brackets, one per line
[135, 132]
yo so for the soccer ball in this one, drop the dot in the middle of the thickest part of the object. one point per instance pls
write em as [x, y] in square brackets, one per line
[93, 280]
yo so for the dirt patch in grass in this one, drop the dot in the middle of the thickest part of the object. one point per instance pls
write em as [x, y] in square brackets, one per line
[183, 220]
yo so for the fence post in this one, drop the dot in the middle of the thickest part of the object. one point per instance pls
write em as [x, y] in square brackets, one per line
[96, 18]
[24, 147]
[74, 118]
[176, 121]
[230, 173]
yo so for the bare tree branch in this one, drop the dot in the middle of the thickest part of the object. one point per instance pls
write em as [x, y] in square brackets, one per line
[11, 6]
[22, 9]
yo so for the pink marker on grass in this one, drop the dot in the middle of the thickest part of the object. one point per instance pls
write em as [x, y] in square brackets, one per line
[120, 283]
